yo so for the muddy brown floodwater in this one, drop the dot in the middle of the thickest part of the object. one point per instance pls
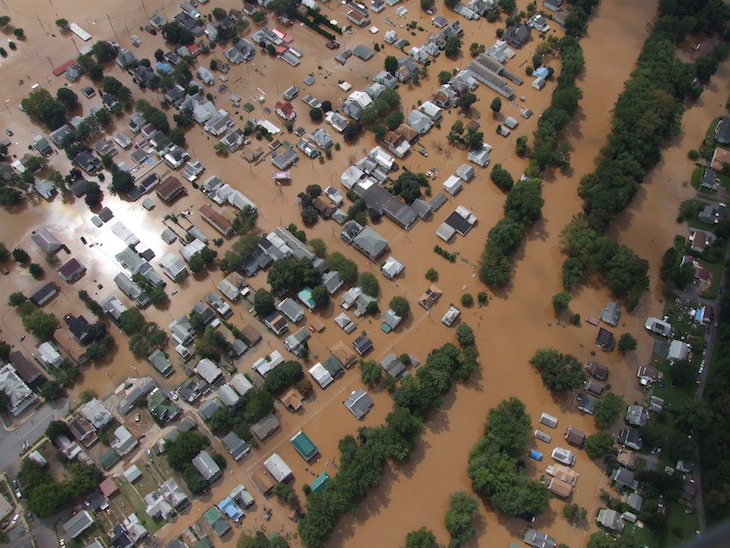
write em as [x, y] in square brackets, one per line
[509, 329]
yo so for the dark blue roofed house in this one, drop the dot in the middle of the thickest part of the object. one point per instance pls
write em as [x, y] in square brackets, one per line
[518, 35]
[88, 162]
[605, 340]
[722, 132]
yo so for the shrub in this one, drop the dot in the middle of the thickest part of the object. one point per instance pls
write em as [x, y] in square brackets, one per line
[432, 275]
[467, 299]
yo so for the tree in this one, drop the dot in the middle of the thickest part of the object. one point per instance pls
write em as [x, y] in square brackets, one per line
[427, 5]
[177, 136]
[458, 519]
[319, 248]
[467, 299]
[283, 376]
[292, 274]
[259, 405]
[177, 34]
[496, 105]
[346, 268]
[51, 390]
[474, 139]
[68, 98]
[40, 324]
[598, 445]
[466, 101]
[57, 428]
[626, 343]
[219, 14]
[370, 372]
[524, 202]
[122, 181]
[62, 24]
[320, 295]
[195, 481]
[560, 372]
[432, 275]
[149, 339]
[103, 51]
[453, 46]
[394, 119]
[131, 320]
[35, 270]
[196, 263]
[19, 33]
[574, 513]
[368, 283]
[391, 64]
[4, 21]
[421, 538]
[400, 306]
[408, 185]
[561, 301]
[501, 177]
[465, 335]
[608, 410]
[316, 114]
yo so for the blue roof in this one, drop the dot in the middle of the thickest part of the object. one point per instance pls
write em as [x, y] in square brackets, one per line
[541, 71]
[164, 68]
[304, 446]
[305, 295]
[320, 483]
[534, 454]
[230, 508]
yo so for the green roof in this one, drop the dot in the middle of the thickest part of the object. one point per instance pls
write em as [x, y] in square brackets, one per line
[109, 459]
[216, 521]
[320, 483]
[248, 107]
[162, 407]
[304, 446]
[334, 366]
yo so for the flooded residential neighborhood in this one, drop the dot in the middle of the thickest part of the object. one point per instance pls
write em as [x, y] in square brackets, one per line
[257, 141]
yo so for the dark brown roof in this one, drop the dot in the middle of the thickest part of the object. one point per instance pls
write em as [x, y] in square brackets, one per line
[26, 369]
[170, 188]
[251, 334]
[71, 270]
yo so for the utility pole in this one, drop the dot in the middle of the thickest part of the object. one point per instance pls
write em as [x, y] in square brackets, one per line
[112, 26]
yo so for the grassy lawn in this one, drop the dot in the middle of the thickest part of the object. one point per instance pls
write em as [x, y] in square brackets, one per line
[688, 212]
[711, 130]
[139, 507]
[724, 181]
[695, 181]
[716, 271]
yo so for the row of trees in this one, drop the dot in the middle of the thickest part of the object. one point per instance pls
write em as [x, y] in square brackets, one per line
[493, 462]
[522, 209]
[646, 113]
[364, 457]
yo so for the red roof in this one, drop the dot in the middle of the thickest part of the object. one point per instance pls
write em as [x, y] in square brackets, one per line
[60, 69]
[194, 49]
[286, 108]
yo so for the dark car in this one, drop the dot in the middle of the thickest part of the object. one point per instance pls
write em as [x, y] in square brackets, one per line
[151, 30]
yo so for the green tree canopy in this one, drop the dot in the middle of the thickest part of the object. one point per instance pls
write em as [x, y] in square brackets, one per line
[561, 301]
[400, 306]
[391, 64]
[608, 410]
[421, 538]
[263, 303]
[598, 445]
[560, 372]
[368, 283]
[40, 324]
[458, 519]
[131, 320]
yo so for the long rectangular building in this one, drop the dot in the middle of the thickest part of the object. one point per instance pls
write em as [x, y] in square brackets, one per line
[218, 221]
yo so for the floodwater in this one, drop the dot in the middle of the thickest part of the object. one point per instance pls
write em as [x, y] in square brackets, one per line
[523, 313]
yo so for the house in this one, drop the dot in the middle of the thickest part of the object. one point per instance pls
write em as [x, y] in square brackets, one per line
[452, 185]
[597, 370]
[157, 506]
[362, 345]
[304, 445]
[19, 397]
[173, 494]
[636, 415]
[559, 488]
[636, 501]
[630, 437]
[564, 456]
[536, 539]
[88, 162]
[96, 413]
[207, 467]
[624, 479]
[480, 156]
[689, 488]
[45, 189]
[48, 354]
[452, 314]
[517, 35]
[392, 267]
[419, 121]
[285, 110]
[45, 240]
[660, 327]
[78, 524]
[83, 431]
[393, 366]
[465, 172]
[722, 131]
[610, 519]
[71, 271]
[208, 371]
[170, 189]
[611, 314]
[575, 436]
[235, 445]
[370, 243]
[363, 52]
[593, 387]
[678, 351]
[356, 103]
[215, 300]
[138, 390]
[278, 469]
[208, 408]
[125, 58]
[396, 143]
[709, 179]
[265, 427]
[216, 521]
[648, 375]
[124, 441]
[586, 403]
[358, 18]
[173, 267]
[627, 459]
[605, 340]
[161, 407]
[359, 403]
[713, 213]
[549, 420]
[44, 294]
[321, 375]
[430, 296]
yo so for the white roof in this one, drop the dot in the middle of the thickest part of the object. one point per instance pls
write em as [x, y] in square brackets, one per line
[241, 384]
[277, 467]
[321, 375]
